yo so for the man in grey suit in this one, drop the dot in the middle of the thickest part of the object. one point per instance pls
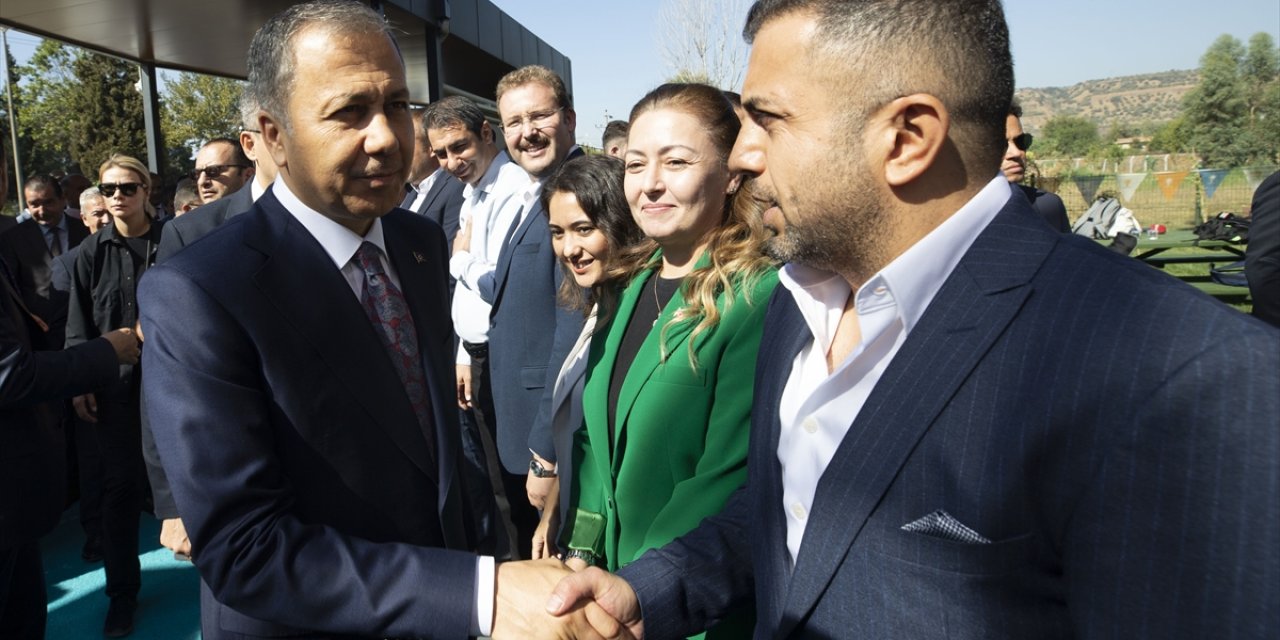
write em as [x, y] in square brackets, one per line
[966, 425]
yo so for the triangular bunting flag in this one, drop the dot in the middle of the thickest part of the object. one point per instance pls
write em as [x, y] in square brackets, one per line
[1255, 177]
[1211, 179]
[1170, 181]
[1088, 186]
[1129, 183]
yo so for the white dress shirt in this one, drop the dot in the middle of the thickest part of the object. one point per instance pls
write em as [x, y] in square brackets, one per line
[817, 408]
[488, 207]
[423, 187]
[341, 244]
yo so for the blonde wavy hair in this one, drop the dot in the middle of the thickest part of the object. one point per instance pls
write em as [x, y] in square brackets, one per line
[734, 246]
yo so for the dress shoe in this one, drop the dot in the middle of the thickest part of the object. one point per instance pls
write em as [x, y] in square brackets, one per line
[120, 617]
[92, 550]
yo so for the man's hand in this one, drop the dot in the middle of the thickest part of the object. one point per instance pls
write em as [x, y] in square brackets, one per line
[612, 593]
[539, 488]
[173, 535]
[125, 343]
[520, 610]
[462, 240]
[549, 525]
[86, 407]
[464, 386]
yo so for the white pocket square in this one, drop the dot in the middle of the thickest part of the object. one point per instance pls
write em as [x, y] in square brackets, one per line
[941, 524]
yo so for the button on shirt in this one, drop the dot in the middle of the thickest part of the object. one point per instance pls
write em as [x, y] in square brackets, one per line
[340, 243]
[488, 207]
[817, 409]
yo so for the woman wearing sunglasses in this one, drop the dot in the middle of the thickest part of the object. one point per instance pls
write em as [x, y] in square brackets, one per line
[104, 285]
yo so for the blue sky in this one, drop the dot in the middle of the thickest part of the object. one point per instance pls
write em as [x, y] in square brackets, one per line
[613, 44]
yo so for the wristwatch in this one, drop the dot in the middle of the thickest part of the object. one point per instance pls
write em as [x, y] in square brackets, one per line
[586, 556]
[539, 471]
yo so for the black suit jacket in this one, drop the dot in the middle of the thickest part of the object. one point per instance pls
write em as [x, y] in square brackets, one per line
[1049, 206]
[292, 450]
[193, 225]
[1060, 400]
[24, 249]
[1262, 259]
[32, 443]
[443, 203]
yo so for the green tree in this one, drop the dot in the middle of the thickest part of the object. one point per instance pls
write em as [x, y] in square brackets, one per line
[198, 108]
[1173, 137]
[1230, 112]
[1069, 136]
[77, 108]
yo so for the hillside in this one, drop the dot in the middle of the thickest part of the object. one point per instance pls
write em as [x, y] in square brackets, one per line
[1147, 98]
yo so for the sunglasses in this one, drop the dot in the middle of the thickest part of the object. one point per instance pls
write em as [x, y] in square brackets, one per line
[214, 170]
[1022, 142]
[129, 189]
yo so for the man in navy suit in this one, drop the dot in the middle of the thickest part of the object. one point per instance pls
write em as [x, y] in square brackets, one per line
[967, 425]
[432, 191]
[529, 334]
[307, 425]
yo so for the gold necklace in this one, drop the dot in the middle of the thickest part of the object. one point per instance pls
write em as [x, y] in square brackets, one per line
[656, 302]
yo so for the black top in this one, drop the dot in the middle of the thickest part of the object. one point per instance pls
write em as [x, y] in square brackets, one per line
[643, 320]
[104, 286]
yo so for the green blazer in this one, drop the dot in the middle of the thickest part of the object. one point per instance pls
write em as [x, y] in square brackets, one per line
[681, 445]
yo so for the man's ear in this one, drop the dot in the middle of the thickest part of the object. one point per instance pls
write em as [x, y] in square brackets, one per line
[486, 132]
[273, 136]
[911, 131]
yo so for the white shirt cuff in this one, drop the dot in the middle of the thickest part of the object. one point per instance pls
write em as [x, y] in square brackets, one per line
[482, 624]
[464, 358]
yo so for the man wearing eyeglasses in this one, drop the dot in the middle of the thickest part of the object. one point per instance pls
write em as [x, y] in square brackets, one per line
[1048, 205]
[221, 169]
[529, 334]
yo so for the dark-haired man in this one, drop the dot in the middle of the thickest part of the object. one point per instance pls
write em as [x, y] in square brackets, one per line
[951, 436]
[29, 249]
[222, 169]
[432, 191]
[614, 140]
[1014, 167]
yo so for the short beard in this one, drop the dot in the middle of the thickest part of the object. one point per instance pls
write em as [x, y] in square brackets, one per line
[843, 237]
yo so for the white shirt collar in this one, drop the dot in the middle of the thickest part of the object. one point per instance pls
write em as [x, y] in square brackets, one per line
[912, 279]
[490, 177]
[338, 241]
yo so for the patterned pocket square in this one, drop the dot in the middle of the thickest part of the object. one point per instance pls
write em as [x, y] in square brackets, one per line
[940, 524]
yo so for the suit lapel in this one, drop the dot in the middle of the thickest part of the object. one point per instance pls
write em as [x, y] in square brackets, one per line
[504, 257]
[437, 187]
[76, 233]
[328, 315]
[973, 308]
[785, 334]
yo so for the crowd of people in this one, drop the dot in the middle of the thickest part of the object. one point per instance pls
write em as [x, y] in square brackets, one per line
[806, 361]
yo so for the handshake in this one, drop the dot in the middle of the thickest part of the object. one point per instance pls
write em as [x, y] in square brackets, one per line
[544, 599]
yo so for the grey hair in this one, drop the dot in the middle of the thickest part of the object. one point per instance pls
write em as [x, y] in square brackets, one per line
[271, 57]
[89, 195]
[248, 111]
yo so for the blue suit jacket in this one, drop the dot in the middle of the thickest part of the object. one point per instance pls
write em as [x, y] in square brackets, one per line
[529, 337]
[1111, 430]
[294, 456]
[195, 224]
[443, 204]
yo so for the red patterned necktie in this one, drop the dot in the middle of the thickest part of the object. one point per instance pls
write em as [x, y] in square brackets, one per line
[389, 313]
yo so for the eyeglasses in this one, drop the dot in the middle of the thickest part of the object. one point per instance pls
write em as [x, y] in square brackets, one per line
[129, 189]
[214, 170]
[537, 120]
[1023, 141]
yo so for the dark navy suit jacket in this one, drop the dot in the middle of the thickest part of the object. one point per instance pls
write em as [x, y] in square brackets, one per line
[529, 337]
[33, 455]
[443, 203]
[305, 483]
[25, 250]
[1262, 259]
[193, 225]
[1109, 429]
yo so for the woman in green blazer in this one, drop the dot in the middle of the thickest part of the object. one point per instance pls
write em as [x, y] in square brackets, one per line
[668, 389]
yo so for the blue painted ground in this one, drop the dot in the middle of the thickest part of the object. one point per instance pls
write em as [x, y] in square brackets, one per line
[168, 605]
